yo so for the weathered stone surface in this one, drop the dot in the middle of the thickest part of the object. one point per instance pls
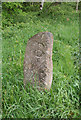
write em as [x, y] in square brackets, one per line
[38, 66]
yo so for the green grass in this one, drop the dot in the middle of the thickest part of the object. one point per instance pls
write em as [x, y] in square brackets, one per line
[62, 101]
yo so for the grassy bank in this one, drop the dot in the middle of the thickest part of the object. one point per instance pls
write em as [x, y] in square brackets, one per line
[62, 101]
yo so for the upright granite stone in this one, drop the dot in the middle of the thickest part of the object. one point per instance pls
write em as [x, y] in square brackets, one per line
[38, 66]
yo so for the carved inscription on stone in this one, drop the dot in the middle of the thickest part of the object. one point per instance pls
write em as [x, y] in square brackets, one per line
[38, 66]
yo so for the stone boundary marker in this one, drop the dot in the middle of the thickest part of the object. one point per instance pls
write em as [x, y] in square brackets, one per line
[38, 66]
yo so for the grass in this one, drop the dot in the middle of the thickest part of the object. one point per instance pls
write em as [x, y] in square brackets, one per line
[62, 101]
